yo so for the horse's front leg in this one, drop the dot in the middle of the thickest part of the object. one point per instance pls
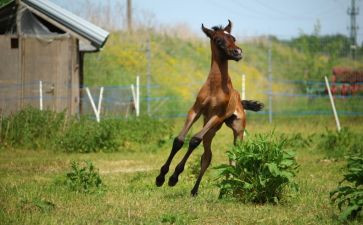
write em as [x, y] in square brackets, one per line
[193, 116]
[194, 142]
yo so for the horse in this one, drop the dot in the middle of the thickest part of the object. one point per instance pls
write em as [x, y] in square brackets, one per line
[217, 101]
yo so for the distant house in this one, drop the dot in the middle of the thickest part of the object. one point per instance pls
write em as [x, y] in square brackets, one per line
[40, 41]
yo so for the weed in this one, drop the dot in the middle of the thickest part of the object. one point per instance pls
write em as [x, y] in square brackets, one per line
[261, 169]
[339, 144]
[296, 140]
[84, 179]
[350, 196]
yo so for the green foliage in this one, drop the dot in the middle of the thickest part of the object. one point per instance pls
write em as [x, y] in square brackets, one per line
[296, 140]
[84, 179]
[89, 136]
[338, 144]
[349, 197]
[31, 128]
[261, 170]
[35, 129]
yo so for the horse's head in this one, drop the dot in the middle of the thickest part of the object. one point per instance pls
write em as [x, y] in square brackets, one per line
[224, 42]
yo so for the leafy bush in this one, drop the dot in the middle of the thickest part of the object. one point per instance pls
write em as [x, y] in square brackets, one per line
[350, 196]
[84, 179]
[31, 128]
[261, 170]
[338, 144]
[89, 136]
[35, 129]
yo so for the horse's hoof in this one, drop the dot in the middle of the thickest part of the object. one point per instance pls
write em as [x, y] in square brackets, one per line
[173, 180]
[194, 193]
[159, 180]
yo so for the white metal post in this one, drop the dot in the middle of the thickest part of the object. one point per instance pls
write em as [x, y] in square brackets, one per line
[97, 111]
[100, 102]
[332, 104]
[244, 94]
[136, 95]
[243, 87]
[41, 95]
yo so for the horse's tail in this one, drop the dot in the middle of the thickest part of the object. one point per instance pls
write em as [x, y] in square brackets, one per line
[252, 105]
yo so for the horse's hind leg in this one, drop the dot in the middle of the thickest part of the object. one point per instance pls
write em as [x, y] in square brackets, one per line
[205, 159]
[177, 145]
[238, 124]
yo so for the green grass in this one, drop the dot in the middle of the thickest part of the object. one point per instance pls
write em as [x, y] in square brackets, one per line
[30, 192]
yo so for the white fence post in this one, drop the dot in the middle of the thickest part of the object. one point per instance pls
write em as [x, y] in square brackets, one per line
[332, 104]
[243, 93]
[41, 95]
[243, 87]
[136, 95]
[97, 111]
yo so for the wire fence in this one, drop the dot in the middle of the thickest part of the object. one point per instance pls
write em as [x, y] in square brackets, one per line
[120, 101]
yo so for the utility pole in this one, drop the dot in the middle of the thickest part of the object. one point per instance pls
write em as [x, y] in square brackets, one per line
[129, 15]
[353, 11]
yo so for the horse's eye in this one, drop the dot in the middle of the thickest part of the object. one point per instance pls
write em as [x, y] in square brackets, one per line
[219, 41]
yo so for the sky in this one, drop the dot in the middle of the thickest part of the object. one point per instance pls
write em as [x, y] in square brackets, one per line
[282, 18]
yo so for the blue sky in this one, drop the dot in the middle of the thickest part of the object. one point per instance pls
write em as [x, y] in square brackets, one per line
[282, 18]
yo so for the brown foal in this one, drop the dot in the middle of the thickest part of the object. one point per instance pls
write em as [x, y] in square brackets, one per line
[217, 101]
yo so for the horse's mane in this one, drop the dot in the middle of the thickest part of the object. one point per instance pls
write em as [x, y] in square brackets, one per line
[216, 28]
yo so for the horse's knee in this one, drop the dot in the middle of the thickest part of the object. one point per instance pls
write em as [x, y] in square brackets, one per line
[194, 142]
[177, 144]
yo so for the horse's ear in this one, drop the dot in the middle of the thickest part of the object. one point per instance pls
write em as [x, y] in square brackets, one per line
[207, 31]
[228, 28]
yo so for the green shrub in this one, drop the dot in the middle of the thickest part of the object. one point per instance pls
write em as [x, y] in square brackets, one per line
[114, 134]
[261, 170]
[350, 196]
[87, 135]
[31, 128]
[35, 129]
[84, 178]
[339, 144]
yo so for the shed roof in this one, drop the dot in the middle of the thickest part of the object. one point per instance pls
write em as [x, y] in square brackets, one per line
[61, 17]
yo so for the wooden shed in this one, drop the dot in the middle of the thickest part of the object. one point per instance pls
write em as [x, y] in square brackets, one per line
[42, 47]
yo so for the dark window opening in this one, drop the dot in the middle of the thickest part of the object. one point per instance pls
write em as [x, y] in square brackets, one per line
[14, 43]
[50, 26]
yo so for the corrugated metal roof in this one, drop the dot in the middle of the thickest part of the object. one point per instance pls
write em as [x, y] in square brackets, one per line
[96, 35]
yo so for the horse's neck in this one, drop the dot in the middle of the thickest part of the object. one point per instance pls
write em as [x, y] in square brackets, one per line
[218, 75]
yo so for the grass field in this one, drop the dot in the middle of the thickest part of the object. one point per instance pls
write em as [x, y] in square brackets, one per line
[30, 192]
